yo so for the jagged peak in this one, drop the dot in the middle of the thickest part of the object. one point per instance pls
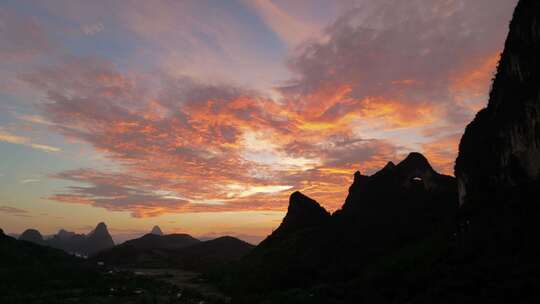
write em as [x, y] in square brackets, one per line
[101, 229]
[389, 165]
[387, 168]
[298, 201]
[302, 212]
[296, 195]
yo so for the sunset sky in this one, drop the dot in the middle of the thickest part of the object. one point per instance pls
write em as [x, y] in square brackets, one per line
[203, 116]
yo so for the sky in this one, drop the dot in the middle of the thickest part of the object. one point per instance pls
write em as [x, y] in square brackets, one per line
[203, 116]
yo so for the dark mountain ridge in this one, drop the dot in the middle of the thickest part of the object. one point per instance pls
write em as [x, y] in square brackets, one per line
[97, 240]
[175, 251]
[383, 212]
[154, 241]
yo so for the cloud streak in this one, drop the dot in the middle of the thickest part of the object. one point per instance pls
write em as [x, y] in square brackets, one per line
[14, 211]
[11, 138]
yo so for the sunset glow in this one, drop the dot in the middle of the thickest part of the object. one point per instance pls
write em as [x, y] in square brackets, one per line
[203, 116]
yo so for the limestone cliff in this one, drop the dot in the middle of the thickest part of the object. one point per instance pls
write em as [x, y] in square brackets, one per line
[500, 149]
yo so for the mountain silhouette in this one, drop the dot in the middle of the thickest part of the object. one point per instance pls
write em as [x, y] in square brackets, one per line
[383, 212]
[33, 236]
[175, 251]
[169, 241]
[208, 255]
[303, 212]
[156, 230]
[97, 240]
[65, 235]
[500, 149]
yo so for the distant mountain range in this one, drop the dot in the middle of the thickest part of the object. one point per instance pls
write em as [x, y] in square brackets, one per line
[78, 244]
[154, 249]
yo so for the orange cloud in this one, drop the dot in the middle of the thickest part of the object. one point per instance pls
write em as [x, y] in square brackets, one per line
[442, 152]
[473, 82]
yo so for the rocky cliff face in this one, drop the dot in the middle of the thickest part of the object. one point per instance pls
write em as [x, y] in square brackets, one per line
[500, 149]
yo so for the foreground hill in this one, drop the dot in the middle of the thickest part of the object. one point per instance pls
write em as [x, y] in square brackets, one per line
[155, 241]
[175, 251]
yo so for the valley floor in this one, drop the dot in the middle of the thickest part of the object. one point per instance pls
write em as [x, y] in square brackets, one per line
[182, 279]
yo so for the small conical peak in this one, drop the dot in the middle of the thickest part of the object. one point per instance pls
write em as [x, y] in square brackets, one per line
[389, 165]
[101, 228]
[2, 232]
[387, 168]
[156, 231]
